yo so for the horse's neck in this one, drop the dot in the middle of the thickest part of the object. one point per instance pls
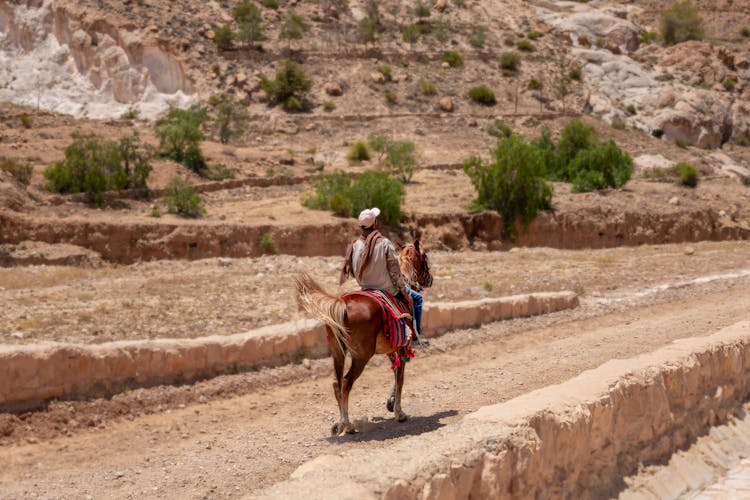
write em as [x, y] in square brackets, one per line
[406, 265]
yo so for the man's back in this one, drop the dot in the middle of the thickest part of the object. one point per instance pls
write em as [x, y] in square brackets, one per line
[375, 275]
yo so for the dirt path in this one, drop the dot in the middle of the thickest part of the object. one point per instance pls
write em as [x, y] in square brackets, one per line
[232, 445]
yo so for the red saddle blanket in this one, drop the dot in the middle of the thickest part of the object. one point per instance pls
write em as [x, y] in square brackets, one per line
[397, 320]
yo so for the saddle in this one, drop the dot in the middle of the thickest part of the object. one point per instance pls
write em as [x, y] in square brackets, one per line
[398, 321]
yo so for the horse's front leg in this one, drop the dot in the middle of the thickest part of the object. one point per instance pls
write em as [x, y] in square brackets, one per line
[392, 398]
[398, 386]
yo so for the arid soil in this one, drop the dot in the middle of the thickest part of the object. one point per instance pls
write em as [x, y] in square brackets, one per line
[235, 434]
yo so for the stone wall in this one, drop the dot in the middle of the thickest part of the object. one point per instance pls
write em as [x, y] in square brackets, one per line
[30, 375]
[577, 439]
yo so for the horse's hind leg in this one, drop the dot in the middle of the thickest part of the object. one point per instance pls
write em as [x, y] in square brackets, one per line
[358, 365]
[398, 386]
[392, 397]
[339, 357]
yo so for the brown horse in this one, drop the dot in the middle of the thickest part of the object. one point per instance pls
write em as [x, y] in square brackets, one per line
[355, 325]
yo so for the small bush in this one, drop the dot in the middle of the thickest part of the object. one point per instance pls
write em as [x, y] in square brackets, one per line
[499, 129]
[26, 120]
[368, 29]
[525, 45]
[477, 38]
[649, 37]
[483, 95]
[421, 9]
[574, 73]
[130, 114]
[509, 41]
[293, 27]
[658, 133]
[533, 35]
[510, 61]
[604, 165]
[631, 109]
[400, 157]
[729, 84]
[575, 137]
[182, 199]
[680, 23]
[229, 117]
[179, 134]
[224, 37]
[329, 106]
[390, 97]
[22, 172]
[411, 33]
[93, 165]
[512, 184]
[745, 31]
[453, 58]
[358, 152]
[368, 190]
[534, 84]
[249, 19]
[427, 87]
[289, 87]
[618, 123]
[687, 174]
[681, 143]
[266, 243]
[218, 172]
[270, 4]
[387, 72]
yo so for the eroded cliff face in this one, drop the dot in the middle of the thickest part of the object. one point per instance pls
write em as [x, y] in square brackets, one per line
[56, 57]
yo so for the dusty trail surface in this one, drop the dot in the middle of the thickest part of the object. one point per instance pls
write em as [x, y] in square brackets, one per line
[222, 445]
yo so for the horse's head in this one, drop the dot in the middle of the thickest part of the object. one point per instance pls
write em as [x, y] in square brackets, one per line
[415, 265]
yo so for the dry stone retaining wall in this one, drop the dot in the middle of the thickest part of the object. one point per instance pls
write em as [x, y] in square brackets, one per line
[30, 375]
[577, 439]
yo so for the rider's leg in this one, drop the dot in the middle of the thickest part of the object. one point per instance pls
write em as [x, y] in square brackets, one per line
[417, 299]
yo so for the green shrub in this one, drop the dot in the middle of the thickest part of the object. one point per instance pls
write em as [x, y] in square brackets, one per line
[224, 37]
[93, 165]
[658, 133]
[631, 109]
[512, 184]
[729, 84]
[499, 129]
[386, 71]
[270, 4]
[329, 106]
[26, 120]
[453, 58]
[250, 21]
[509, 41]
[525, 45]
[182, 199]
[575, 137]
[218, 172]
[510, 61]
[229, 117]
[649, 37]
[179, 134]
[477, 38]
[379, 144]
[410, 34]
[421, 9]
[293, 27]
[22, 172]
[427, 87]
[745, 31]
[483, 95]
[400, 157]
[266, 243]
[289, 87]
[533, 35]
[368, 190]
[534, 84]
[604, 165]
[390, 97]
[687, 174]
[130, 114]
[681, 143]
[441, 30]
[358, 152]
[368, 29]
[680, 23]
[574, 73]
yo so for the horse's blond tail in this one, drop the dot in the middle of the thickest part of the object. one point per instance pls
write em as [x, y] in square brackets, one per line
[323, 306]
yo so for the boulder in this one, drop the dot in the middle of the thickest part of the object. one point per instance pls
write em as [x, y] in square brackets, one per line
[446, 104]
[334, 88]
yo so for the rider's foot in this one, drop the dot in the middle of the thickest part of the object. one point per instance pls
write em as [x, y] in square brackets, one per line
[421, 343]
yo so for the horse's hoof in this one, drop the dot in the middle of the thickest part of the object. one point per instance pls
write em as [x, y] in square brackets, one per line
[402, 417]
[389, 404]
[336, 429]
[350, 429]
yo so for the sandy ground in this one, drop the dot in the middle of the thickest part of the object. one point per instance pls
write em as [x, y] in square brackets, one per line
[235, 434]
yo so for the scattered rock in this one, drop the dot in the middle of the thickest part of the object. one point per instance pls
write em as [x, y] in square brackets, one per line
[674, 200]
[119, 474]
[446, 104]
[306, 363]
[689, 251]
[441, 5]
[377, 77]
[445, 65]
[225, 261]
[334, 89]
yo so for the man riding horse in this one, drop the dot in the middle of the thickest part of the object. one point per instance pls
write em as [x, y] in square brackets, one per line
[372, 260]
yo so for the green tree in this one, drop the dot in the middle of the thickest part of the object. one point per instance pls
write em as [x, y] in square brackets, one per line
[289, 87]
[604, 165]
[230, 117]
[182, 199]
[293, 28]
[179, 133]
[680, 23]
[401, 159]
[250, 22]
[512, 184]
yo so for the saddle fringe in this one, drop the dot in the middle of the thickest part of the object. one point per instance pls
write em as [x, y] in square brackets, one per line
[323, 306]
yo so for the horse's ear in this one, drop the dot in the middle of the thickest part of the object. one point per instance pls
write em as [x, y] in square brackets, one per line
[416, 245]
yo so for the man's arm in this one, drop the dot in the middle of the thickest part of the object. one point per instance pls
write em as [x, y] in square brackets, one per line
[391, 259]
